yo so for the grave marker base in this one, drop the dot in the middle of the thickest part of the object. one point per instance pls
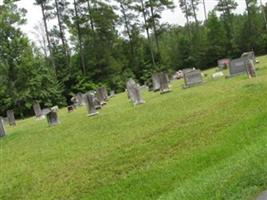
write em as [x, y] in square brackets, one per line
[93, 114]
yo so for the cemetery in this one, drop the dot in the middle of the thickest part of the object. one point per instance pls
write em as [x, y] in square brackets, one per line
[133, 100]
[128, 151]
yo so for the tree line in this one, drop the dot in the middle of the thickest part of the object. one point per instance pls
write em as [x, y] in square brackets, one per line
[85, 44]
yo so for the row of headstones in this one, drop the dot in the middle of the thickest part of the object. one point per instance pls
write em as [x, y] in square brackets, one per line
[94, 100]
[244, 64]
[194, 77]
[161, 83]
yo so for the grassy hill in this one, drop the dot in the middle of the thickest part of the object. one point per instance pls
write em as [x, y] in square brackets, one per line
[206, 142]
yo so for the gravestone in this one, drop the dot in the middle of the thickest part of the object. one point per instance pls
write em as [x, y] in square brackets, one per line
[249, 55]
[224, 63]
[112, 93]
[80, 98]
[51, 116]
[37, 109]
[91, 108]
[192, 77]
[2, 128]
[134, 92]
[156, 82]
[11, 117]
[238, 66]
[164, 84]
[104, 93]
[251, 69]
[100, 96]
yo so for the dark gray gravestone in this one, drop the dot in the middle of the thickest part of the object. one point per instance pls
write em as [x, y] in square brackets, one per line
[238, 66]
[192, 77]
[156, 82]
[91, 104]
[11, 117]
[224, 63]
[134, 92]
[164, 84]
[2, 128]
[37, 109]
[51, 116]
[249, 55]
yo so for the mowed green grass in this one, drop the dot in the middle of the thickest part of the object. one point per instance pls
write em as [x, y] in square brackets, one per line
[206, 142]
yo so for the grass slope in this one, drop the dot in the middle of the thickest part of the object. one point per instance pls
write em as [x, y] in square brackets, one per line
[206, 142]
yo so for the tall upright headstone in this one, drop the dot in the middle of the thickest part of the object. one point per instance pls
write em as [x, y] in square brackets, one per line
[192, 77]
[164, 84]
[2, 128]
[251, 68]
[100, 96]
[11, 118]
[238, 66]
[156, 82]
[91, 108]
[249, 55]
[51, 116]
[104, 93]
[80, 98]
[37, 109]
[134, 92]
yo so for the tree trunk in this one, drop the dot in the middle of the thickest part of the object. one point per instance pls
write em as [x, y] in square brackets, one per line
[127, 27]
[154, 25]
[47, 36]
[205, 11]
[194, 11]
[147, 33]
[61, 32]
[82, 61]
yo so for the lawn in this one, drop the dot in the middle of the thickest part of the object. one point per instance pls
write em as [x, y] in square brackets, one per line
[206, 142]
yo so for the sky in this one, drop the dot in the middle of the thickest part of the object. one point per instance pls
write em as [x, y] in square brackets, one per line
[172, 17]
